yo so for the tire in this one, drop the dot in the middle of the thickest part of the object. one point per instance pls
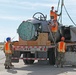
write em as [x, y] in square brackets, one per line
[51, 56]
[28, 55]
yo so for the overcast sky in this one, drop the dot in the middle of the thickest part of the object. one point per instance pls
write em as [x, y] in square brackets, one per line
[13, 12]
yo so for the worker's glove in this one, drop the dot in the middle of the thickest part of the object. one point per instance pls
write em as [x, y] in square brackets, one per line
[49, 23]
[56, 11]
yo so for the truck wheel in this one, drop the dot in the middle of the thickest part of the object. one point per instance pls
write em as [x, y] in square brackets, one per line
[28, 55]
[51, 56]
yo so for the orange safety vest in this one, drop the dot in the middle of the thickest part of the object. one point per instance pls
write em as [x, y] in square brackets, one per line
[54, 15]
[7, 48]
[61, 46]
[54, 28]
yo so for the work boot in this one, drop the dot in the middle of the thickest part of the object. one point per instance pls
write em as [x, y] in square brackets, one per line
[6, 67]
[9, 67]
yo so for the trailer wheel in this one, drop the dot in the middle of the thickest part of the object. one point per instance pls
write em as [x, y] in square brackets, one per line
[28, 55]
[51, 56]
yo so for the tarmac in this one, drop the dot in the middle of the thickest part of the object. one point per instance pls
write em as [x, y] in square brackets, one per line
[34, 69]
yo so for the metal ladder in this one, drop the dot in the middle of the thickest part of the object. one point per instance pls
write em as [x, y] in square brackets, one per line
[53, 40]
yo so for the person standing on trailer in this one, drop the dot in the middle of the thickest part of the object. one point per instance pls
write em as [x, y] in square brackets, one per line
[53, 14]
[54, 24]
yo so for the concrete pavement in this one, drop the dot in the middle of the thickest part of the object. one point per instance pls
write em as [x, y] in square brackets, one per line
[35, 69]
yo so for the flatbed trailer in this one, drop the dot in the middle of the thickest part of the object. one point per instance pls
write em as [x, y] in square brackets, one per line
[31, 53]
[43, 54]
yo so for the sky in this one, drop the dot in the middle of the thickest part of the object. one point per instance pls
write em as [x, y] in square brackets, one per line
[13, 12]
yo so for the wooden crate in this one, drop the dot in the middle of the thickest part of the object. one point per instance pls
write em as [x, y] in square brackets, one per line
[42, 39]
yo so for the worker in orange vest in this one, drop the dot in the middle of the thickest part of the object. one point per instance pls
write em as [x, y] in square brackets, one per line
[53, 14]
[61, 52]
[54, 29]
[54, 24]
[8, 53]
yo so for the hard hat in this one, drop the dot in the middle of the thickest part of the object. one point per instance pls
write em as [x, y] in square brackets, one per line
[8, 39]
[62, 38]
[52, 7]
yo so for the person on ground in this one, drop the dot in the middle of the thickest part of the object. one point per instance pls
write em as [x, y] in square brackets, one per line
[8, 53]
[61, 49]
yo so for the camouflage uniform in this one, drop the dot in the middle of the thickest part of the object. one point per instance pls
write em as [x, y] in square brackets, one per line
[60, 59]
[60, 53]
[8, 58]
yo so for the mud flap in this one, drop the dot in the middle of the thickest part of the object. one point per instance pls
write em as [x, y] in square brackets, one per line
[51, 56]
[16, 55]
